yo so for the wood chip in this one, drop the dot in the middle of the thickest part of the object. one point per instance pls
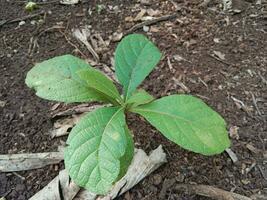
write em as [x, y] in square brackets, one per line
[219, 54]
[232, 155]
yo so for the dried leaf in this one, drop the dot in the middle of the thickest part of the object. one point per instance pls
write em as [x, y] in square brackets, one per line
[152, 12]
[59, 188]
[142, 165]
[61, 127]
[233, 132]
[82, 36]
[140, 15]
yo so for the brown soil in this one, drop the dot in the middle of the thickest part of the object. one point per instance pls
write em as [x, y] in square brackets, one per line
[194, 35]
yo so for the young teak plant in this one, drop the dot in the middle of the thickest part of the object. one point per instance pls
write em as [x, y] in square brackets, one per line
[100, 147]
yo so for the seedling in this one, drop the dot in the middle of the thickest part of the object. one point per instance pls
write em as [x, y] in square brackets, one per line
[30, 6]
[100, 147]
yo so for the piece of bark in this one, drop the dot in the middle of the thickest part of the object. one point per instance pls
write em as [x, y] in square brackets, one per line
[24, 161]
[59, 188]
[210, 191]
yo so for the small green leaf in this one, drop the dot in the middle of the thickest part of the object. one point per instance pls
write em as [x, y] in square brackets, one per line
[128, 156]
[189, 122]
[99, 82]
[96, 146]
[135, 57]
[139, 97]
[56, 79]
[30, 6]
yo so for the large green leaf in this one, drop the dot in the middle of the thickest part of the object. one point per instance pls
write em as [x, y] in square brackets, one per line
[189, 122]
[135, 57]
[98, 81]
[95, 148]
[56, 79]
[139, 97]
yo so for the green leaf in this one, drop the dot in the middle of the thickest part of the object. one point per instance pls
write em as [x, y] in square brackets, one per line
[139, 97]
[99, 82]
[189, 122]
[96, 145]
[56, 79]
[128, 156]
[135, 57]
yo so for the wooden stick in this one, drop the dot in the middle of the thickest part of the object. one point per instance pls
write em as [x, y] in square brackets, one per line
[150, 22]
[22, 18]
[210, 191]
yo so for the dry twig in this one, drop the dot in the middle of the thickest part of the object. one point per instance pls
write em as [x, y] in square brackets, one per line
[210, 191]
[150, 22]
[22, 18]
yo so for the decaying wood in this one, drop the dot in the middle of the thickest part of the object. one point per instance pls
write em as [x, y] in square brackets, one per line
[21, 162]
[142, 165]
[210, 191]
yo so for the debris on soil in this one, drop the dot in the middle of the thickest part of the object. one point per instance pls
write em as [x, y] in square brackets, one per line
[141, 166]
[2, 104]
[69, 2]
[59, 188]
[82, 35]
[62, 126]
[210, 191]
[76, 110]
[22, 162]
[232, 155]
[233, 132]
[166, 185]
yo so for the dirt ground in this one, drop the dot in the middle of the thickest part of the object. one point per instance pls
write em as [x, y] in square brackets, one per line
[217, 56]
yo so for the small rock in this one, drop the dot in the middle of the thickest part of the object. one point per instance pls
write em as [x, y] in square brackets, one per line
[21, 23]
[2, 103]
[145, 28]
